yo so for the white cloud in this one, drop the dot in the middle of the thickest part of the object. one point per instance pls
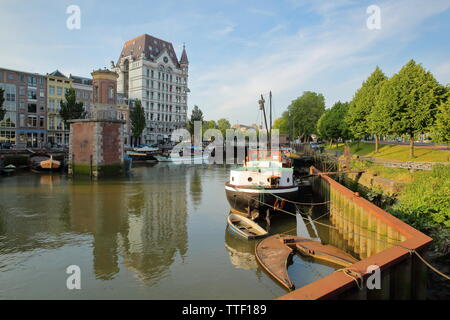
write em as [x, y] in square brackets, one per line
[287, 64]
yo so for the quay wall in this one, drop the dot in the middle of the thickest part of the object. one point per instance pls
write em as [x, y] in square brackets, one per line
[378, 238]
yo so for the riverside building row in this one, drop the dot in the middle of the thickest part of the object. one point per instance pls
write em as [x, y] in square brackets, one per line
[32, 104]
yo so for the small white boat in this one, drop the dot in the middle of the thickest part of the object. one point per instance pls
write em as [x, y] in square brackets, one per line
[182, 159]
[146, 149]
[245, 227]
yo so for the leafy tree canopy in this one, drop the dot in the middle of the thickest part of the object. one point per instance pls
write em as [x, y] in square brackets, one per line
[2, 99]
[137, 117]
[71, 109]
[305, 111]
[408, 102]
[441, 129]
[362, 104]
[330, 125]
[223, 125]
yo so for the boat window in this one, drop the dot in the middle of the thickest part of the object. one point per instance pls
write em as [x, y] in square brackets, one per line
[288, 180]
[250, 179]
[232, 178]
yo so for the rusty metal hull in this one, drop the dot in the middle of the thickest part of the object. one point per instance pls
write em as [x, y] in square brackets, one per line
[274, 255]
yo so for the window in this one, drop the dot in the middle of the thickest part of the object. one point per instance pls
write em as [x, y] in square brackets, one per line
[11, 77]
[51, 123]
[51, 90]
[41, 81]
[10, 94]
[32, 81]
[32, 107]
[59, 91]
[8, 136]
[9, 120]
[41, 122]
[32, 94]
[111, 92]
[22, 91]
[51, 105]
[32, 121]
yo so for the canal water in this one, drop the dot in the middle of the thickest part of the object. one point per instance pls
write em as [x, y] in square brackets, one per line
[159, 233]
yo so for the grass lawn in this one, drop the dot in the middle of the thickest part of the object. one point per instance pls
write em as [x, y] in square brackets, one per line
[395, 152]
[397, 174]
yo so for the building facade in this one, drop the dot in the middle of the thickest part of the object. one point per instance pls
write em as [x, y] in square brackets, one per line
[123, 113]
[150, 71]
[24, 124]
[57, 86]
[83, 91]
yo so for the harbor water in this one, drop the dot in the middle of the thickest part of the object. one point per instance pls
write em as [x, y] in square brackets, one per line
[159, 233]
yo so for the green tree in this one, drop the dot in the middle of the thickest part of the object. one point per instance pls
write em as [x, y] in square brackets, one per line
[71, 109]
[137, 117]
[282, 123]
[441, 129]
[196, 115]
[361, 107]
[330, 125]
[2, 99]
[407, 104]
[223, 125]
[304, 112]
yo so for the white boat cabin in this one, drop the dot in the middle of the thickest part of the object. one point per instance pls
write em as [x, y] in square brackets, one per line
[263, 168]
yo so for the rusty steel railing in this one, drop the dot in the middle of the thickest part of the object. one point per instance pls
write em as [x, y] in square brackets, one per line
[378, 238]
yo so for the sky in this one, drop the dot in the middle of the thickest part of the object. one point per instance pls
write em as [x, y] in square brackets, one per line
[237, 49]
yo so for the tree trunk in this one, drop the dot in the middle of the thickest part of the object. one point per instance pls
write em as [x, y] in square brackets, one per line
[331, 143]
[411, 147]
[376, 143]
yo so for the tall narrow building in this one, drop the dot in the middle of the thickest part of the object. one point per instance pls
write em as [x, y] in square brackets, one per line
[150, 71]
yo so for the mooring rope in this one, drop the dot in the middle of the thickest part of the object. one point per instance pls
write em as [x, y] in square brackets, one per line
[355, 275]
[411, 251]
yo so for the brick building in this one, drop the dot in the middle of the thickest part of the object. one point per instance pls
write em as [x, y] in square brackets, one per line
[24, 124]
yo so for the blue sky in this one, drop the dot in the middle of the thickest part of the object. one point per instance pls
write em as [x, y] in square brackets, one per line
[237, 49]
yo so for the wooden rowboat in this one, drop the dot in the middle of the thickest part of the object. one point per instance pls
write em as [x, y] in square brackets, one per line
[43, 162]
[244, 227]
[50, 164]
[274, 254]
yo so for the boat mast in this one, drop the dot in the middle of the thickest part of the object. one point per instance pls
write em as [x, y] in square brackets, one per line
[261, 107]
[270, 103]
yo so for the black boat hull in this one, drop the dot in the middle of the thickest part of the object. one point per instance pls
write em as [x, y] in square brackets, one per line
[246, 200]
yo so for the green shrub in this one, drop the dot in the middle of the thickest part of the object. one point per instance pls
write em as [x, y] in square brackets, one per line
[425, 202]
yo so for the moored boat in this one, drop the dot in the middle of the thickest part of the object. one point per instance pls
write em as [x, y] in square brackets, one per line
[262, 183]
[244, 227]
[43, 162]
[9, 169]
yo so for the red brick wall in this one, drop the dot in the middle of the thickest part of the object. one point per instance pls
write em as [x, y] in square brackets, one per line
[83, 141]
[111, 141]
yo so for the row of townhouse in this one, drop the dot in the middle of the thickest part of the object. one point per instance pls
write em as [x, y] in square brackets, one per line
[32, 104]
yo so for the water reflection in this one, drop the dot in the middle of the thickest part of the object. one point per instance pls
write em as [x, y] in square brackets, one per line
[242, 253]
[196, 187]
[142, 222]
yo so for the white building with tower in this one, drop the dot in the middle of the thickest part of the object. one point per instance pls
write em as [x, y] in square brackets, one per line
[150, 71]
